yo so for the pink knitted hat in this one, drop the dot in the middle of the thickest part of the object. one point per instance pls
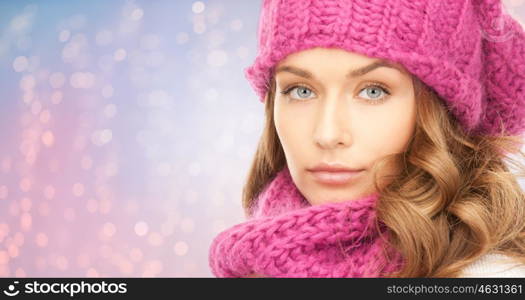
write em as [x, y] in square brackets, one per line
[470, 52]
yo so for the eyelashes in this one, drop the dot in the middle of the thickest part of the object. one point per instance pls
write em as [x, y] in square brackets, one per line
[372, 85]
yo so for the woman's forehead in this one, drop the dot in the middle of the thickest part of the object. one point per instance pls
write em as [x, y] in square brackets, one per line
[304, 63]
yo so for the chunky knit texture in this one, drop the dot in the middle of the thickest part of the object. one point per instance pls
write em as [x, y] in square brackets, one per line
[285, 236]
[471, 52]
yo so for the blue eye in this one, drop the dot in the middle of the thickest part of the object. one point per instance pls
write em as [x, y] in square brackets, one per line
[301, 91]
[373, 92]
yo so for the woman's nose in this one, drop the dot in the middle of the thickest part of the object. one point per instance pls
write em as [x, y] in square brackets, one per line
[332, 127]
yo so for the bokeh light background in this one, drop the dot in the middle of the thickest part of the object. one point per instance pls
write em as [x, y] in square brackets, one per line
[127, 129]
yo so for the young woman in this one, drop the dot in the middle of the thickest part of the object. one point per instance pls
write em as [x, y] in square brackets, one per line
[389, 140]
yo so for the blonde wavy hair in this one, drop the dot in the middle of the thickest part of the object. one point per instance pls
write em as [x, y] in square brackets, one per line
[455, 200]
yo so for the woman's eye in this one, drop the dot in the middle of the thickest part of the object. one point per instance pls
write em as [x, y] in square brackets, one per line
[374, 92]
[298, 92]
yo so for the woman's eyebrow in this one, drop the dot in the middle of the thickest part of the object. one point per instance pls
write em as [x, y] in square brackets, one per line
[353, 73]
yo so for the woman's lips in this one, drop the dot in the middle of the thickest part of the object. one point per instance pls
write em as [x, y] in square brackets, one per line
[336, 178]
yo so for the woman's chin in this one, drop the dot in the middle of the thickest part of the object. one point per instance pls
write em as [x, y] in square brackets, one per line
[331, 199]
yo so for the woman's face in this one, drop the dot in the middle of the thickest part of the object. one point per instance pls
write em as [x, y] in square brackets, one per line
[331, 107]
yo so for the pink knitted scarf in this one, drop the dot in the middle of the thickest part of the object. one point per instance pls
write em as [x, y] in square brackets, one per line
[285, 236]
